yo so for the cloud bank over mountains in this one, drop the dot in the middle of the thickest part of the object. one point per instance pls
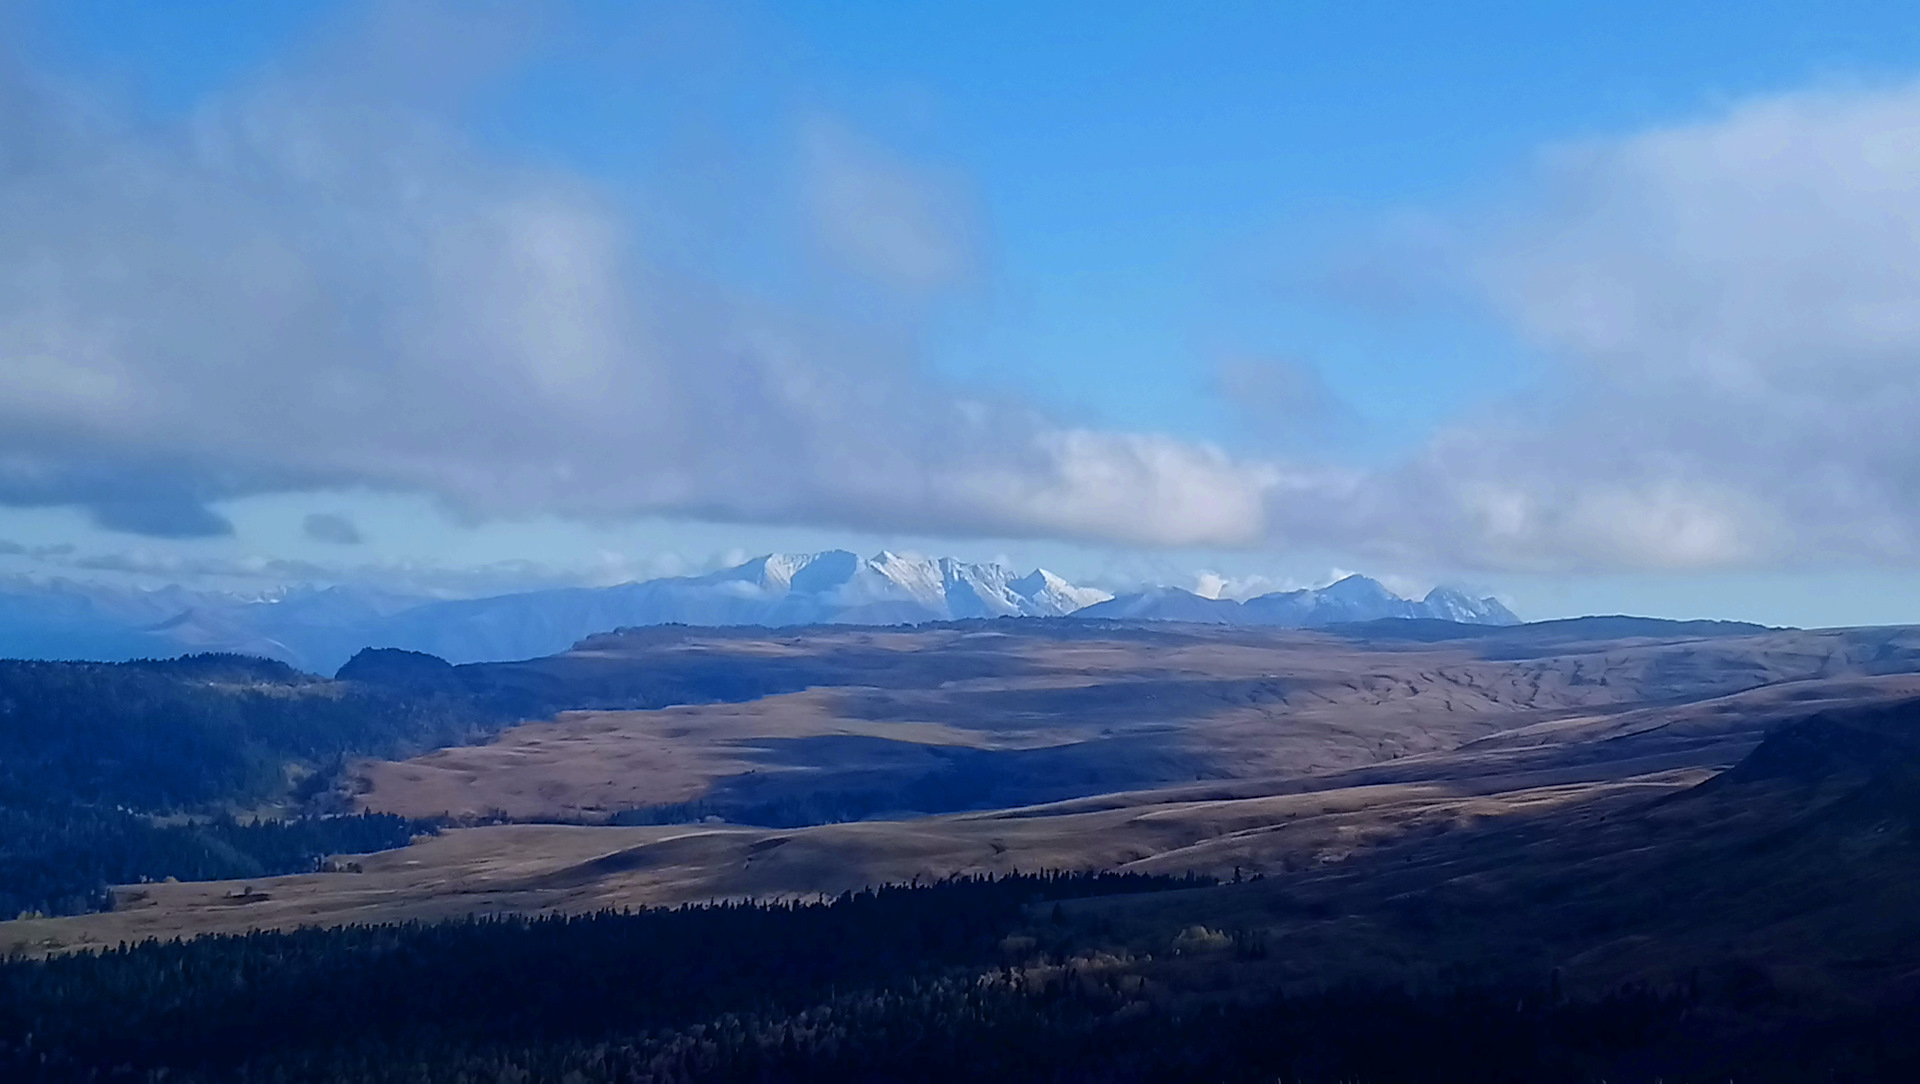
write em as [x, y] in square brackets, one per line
[318, 283]
[314, 284]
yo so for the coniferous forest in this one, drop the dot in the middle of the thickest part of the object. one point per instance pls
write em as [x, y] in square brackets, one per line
[965, 979]
[60, 859]
[128, 772]
[141, 771]
[114, 773]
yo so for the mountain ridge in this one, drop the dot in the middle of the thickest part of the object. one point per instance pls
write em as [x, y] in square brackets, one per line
[1353, 599]
[318, 628]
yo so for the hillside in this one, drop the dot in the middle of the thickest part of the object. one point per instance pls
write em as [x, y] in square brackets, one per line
[836, 757]
[1685, 859]
[1788, 877]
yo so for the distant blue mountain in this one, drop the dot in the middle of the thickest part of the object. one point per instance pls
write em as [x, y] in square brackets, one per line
[1351, 600]
[318, 629]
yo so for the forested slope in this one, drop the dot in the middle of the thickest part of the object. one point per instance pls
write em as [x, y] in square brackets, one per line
[91, 754]
[121, 772]
[967, 979]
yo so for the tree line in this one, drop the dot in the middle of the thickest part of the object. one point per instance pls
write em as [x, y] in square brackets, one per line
[99, 761]
[61, 860]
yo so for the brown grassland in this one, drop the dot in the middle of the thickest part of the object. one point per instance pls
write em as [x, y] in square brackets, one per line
[1385, 792]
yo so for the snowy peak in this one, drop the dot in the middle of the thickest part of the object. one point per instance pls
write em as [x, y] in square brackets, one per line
[1166, 604]
[979, 590]
[891, 577]
[319, 628]
[1448, 604]
[812, 573]
[1048, 595]
[837, 585]
[1352, 599]
[1356, 590]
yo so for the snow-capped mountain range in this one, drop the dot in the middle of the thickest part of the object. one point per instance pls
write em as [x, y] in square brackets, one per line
[887, 588]
[1355, 598]
[319, 628]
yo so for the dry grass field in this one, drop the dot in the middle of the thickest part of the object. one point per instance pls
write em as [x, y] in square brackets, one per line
[1784, 882]
[1055, 718]
[1286, 755]
[535, 868]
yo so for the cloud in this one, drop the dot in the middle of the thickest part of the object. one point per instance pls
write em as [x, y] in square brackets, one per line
[10, 548]
[160, 516]
[181, 567]
[331, 527]
[1733, 305]
[880, 216]
[1210, 584]
[263, 573]
[316, 283]
[1285, 402]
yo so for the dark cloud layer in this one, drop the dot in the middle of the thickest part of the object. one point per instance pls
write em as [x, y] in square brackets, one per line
[331, 527]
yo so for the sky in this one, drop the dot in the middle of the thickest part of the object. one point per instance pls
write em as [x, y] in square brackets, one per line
[1599, 308]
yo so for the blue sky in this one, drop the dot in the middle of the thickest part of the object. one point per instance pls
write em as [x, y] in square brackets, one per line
[1162, 184]
[1302, 237]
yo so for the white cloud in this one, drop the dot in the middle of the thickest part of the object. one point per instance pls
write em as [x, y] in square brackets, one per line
[1210, 584]
[1736, 307]
[258, 573]
[883, 217]
[316, 285]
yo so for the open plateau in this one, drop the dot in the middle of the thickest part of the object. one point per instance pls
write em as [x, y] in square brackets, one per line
[1592, 805]
[1382, 786]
